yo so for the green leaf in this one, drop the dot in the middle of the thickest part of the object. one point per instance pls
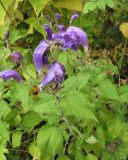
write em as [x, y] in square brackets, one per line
[71, 5]
[45, 105]
[20, 93]
[49, 140]
[89, 6]
[16, 34]
[34, 150]
[101, 4]
[38, 5]
[75, 104]
[4, 133]
[115, 127]
[16, 4]
[110, 3]
[34, 22]
[5, 3]
[91, 140]
[4, 109]
[30, 119]
[16, 138]
[108, 90]
[91, 157]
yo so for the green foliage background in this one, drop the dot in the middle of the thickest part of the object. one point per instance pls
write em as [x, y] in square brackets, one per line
[85, 117]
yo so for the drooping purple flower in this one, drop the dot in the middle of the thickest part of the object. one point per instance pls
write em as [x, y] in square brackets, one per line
[48, 18]
[16, 57]
[49, 32]
[73, 17]
[55, 74]
[80, 35]
[40, 55]
[72, 38]
[7, 35]
[7, 74]
[57, 16]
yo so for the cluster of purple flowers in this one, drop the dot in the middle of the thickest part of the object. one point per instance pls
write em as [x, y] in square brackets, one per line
[70, 38]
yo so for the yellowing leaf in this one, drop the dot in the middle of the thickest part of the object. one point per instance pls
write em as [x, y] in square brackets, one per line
[5, 3]
[124, 29]
[16, 4]
[70, 4]
[38, 5]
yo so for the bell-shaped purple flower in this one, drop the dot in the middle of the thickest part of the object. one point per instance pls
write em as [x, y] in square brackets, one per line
[40, 55]
[77, 37]
[7, 74]
[57, 16]
[55, 74]
[49, 32]
[16, 57]
[73, 17]
[72, 38]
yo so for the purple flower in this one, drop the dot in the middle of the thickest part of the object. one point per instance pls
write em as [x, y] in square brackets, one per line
[40, 55]
[7, 74]
[49, 32]
[7, 35]
[55, 74]
[72, 38]
[16, 57]
[48, 18]
[73, 17]
[61, 28]
[57, 16]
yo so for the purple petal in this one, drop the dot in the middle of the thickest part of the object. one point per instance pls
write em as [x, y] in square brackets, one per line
[61, 28]
[73, 17]
[49, 32]
[7, 74]
[40, 55]
[55, 74]
[57, 16]
[80, 35]
[16, 57]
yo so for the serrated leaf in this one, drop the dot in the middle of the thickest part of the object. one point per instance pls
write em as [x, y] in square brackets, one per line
[108, 90]
[4, 133]
[45, 105]
[71, 5]
[49, 140]
[30, 119]
[75, 104]
[38, 5]
[4, 109]
[16, 138]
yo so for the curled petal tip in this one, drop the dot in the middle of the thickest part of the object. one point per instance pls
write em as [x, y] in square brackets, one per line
[57, 16]
[55, 74]
[73, 17]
